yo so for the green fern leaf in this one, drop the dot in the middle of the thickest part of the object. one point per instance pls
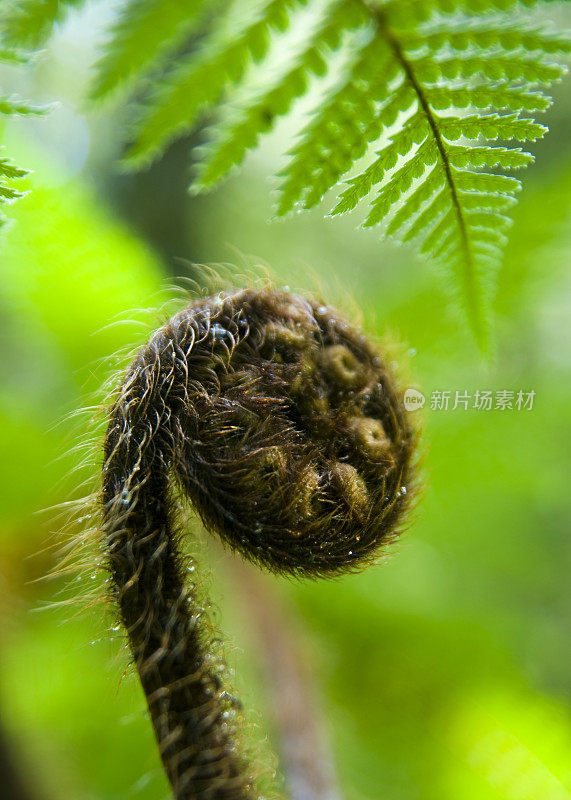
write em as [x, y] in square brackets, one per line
[308, 168]
[29, 22]
[361, 185]
[485, 36]
[10, 106]
[492, 65]
[16, 18]
[400, 182]
[232, 140]
[485, 182]
[9, 173]
[11, 55]
[419, 90]
[199, 81]
[146, 32]
[479, 201]
[507, 158]
[430, 214]
[513, 98]
[433, 181]
[492, 126]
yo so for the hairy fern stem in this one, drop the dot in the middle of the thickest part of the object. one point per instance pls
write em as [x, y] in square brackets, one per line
[157, 608]
[282, 426]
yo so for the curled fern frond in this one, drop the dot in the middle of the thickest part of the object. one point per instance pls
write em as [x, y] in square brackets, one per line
[283, 427]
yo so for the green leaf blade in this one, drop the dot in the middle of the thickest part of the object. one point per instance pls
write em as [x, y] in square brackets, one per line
[144, 33]
[197, 83]
[28, 23]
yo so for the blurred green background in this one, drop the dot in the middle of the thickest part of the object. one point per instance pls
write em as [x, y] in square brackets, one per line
[443, 674]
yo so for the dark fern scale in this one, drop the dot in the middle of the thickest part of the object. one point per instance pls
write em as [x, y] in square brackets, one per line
[283, 426]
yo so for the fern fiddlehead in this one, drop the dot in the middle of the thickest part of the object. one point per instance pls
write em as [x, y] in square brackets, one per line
[283, 427]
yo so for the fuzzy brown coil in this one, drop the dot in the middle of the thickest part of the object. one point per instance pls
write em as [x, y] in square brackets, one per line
[283, 426]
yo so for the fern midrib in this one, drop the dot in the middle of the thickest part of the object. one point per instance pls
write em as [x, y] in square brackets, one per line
[411, 77]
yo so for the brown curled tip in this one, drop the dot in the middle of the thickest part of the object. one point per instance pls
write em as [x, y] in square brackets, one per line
[287, 430]
[283, 427]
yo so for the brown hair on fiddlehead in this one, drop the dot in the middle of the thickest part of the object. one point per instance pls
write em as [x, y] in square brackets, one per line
[282, 425]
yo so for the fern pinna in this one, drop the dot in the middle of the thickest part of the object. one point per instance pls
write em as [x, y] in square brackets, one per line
[417, 88]
[10, 106]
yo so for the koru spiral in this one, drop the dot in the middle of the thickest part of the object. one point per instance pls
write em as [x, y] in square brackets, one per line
[283, 427]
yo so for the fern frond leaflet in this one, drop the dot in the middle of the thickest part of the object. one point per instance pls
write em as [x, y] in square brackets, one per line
[484, 36]
[510, 97]
[482, 218]
[29, 22]
[11, 106]
[491, 126]
[468, 180]
[491, 65]
[428, 216]
[471, 293]
[145, 31]
[400, 182]
[483, 200]
[9, 172]
[232, 140]
[387, 158]
[332, 127]
[199, 81]
[431, 182]
[504, 157]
